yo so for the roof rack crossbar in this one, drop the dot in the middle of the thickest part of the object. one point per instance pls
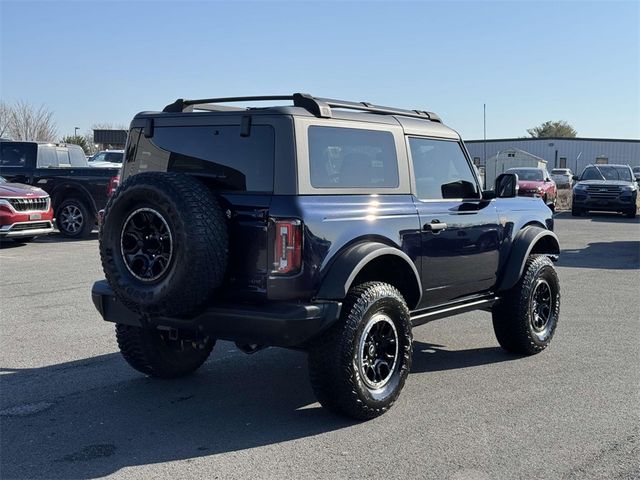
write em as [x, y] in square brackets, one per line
[320, 107]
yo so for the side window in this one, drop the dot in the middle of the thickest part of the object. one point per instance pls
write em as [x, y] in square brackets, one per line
[47, 156]
[77, 157]
[114, 157]
[352, 158]
[17, 154]
[441, 170]
[63, 157]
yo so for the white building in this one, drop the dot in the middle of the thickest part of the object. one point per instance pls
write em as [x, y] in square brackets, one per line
[573, 153]
[510, 158]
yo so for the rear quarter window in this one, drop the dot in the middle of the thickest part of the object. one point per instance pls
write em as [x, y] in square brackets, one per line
[342, 157]
[220, 153]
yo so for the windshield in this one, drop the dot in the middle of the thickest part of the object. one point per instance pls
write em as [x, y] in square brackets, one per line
[560, 171]
[527, 174]
[606, 172]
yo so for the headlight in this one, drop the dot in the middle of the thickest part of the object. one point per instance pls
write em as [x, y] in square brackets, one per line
[580, 186]
[628, 188]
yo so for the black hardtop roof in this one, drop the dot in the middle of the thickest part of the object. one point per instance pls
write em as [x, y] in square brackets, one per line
[414, 122]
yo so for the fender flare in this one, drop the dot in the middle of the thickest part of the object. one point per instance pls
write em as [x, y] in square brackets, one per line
[522, 247]
[337, 282]
[58, 194]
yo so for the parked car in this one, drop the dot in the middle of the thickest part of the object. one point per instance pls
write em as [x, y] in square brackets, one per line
[107, 159]
[77, 191]
[308, 227]
[609, 188]
[563, 177]
[636, 173]
[536, 182]
[25, 211]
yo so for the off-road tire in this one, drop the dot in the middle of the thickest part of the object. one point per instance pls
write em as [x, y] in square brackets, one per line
[333, 360]
[198, 238]
[86, 225]
[150, 352]
[513, 317]
[631, 213]
[576, 211]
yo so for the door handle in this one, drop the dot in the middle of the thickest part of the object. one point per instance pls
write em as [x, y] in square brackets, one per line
[435, 226]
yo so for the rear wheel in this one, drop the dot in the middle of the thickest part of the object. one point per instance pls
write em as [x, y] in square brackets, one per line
[74, 219]
[359, 366]
[154, 353]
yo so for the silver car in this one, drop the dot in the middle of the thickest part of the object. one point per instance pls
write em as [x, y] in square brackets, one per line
[563, 177]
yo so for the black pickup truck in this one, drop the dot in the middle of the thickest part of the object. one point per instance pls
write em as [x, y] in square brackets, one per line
[77, 190]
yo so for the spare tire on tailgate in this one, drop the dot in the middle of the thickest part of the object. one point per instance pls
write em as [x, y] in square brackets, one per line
[163, 243]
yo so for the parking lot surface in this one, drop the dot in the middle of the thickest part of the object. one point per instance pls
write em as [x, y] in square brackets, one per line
[71, 408]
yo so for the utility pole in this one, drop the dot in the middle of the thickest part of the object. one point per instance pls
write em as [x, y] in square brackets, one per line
[75, 131]
[484, 122]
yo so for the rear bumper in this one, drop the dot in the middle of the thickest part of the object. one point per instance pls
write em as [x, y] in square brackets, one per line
[278, 324]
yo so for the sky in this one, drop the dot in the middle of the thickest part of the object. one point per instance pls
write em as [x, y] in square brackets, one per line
[529, 62]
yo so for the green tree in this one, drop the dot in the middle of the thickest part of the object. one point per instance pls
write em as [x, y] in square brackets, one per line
[553, 129]
[77, 140]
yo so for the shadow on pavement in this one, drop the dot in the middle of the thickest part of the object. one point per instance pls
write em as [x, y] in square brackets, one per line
[434, 358]
[124, 419]
[598, 217]
[51, 238]
[622, 255]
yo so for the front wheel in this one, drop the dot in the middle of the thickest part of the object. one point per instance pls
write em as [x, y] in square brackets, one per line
[631, 213]
[526, 317]
[576, 211]
[359, 366]
[154, 353]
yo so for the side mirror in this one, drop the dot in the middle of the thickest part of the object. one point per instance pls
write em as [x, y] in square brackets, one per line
[638, 179]
[506, 185]
[575, 178]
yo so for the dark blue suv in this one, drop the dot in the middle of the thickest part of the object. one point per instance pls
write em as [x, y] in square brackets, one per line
[324, 225]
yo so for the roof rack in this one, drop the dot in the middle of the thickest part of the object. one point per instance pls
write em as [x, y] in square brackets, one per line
[320, 107]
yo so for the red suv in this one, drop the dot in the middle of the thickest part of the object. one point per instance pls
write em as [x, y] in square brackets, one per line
[25, 211]
[536, 182]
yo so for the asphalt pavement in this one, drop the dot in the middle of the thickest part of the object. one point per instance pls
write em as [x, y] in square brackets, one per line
[71, 408]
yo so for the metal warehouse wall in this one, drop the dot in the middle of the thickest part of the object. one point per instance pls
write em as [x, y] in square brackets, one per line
[579, 152]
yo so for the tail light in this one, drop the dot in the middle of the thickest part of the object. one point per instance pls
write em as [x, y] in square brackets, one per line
[287, 247]
[113, 184]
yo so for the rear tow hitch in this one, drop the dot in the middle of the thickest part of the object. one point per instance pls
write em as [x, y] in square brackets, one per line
[250, 348]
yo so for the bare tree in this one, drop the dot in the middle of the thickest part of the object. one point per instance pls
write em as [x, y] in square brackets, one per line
[5, 113]
[27, 122]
